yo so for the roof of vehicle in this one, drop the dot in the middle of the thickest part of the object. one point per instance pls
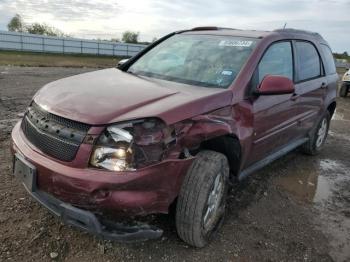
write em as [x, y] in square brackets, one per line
[251, 33]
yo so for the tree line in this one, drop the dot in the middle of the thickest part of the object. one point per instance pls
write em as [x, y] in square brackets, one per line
[343, 55]
[17, 24]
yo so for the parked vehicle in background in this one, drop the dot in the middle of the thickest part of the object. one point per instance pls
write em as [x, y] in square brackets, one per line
[345, 86]
[174, 126]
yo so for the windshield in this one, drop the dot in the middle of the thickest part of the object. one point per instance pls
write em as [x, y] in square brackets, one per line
[204, 60]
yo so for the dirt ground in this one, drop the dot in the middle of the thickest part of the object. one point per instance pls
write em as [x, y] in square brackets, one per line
[296, 209]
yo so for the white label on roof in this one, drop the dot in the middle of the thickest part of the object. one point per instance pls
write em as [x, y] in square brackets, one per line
[240, 43]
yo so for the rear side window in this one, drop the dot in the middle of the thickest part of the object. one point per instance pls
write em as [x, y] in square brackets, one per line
[309, 65]
[278, 60]
[329, 60]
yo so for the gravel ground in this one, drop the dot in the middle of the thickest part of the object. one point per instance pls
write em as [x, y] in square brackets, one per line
[296, 209]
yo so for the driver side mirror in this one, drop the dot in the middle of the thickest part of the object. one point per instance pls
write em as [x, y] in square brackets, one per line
[275, 85]
[122, 62]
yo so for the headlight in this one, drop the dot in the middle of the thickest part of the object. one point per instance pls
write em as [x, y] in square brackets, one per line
[128, 146]
[113, 151]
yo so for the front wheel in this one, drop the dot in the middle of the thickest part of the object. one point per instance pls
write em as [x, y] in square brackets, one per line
[318, 136]
[202, 200]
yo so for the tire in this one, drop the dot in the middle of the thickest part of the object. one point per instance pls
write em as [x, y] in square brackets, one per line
[206, 183]
[318, 136]
[344, 90]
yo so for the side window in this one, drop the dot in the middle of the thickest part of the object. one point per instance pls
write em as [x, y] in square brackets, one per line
[329, 60]
[309, 65]
[277, 60]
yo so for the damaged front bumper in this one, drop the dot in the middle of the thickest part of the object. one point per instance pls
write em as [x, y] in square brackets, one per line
[150, 190]
[82, 219]
[72, 191]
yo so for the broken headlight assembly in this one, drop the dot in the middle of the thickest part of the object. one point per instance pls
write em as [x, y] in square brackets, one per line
[132, 145]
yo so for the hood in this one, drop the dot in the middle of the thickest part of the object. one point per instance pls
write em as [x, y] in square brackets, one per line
[110, 95]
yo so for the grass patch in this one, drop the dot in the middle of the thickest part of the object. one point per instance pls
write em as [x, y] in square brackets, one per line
[15, 58]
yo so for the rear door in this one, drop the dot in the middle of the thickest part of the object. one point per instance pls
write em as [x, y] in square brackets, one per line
[330, 72]
[311, 85]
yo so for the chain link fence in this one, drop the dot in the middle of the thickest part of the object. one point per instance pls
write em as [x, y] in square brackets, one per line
[47, 44]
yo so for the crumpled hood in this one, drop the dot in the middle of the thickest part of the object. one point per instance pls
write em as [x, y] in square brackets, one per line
[110, 95]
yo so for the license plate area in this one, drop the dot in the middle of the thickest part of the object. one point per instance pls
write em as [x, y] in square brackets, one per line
[25, 172]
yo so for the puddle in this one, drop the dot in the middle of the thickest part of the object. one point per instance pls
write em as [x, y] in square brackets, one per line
[305, 185]
[325, 184]
[342, 114]
[313, 184]
[339, 136]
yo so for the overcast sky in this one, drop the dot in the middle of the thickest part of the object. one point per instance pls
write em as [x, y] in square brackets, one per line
[154, 18]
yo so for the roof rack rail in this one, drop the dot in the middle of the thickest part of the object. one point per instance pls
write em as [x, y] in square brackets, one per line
[207, 28]
[297, 31]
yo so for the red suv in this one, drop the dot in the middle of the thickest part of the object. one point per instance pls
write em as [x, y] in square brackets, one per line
[174, 125]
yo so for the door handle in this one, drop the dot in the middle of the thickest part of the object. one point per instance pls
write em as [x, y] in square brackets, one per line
[324, 85]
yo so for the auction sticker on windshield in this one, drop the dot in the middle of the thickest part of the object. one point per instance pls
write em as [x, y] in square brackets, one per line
[240, 43]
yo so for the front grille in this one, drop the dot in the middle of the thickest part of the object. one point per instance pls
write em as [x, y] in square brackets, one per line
[59, 120]
[53, 135]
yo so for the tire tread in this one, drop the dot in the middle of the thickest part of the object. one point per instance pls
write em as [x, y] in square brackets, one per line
[193, 194]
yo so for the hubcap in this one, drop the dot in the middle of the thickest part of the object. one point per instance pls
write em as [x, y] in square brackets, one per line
[211, 215]
[321, 134]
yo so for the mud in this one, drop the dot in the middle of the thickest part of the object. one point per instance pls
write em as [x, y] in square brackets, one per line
[296, 209]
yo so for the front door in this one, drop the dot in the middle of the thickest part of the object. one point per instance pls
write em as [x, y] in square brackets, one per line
[275, 119]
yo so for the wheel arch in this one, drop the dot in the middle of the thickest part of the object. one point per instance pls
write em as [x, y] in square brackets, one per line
[331, 108]
[230, 146]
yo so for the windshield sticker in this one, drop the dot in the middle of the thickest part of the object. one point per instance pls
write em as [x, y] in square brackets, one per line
[227, 73]
[240, 43]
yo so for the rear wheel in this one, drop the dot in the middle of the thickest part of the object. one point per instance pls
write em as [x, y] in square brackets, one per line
[344, 90]
[318, 136]
[202, 199]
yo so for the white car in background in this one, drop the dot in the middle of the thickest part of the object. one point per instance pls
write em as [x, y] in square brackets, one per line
[345, 85]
